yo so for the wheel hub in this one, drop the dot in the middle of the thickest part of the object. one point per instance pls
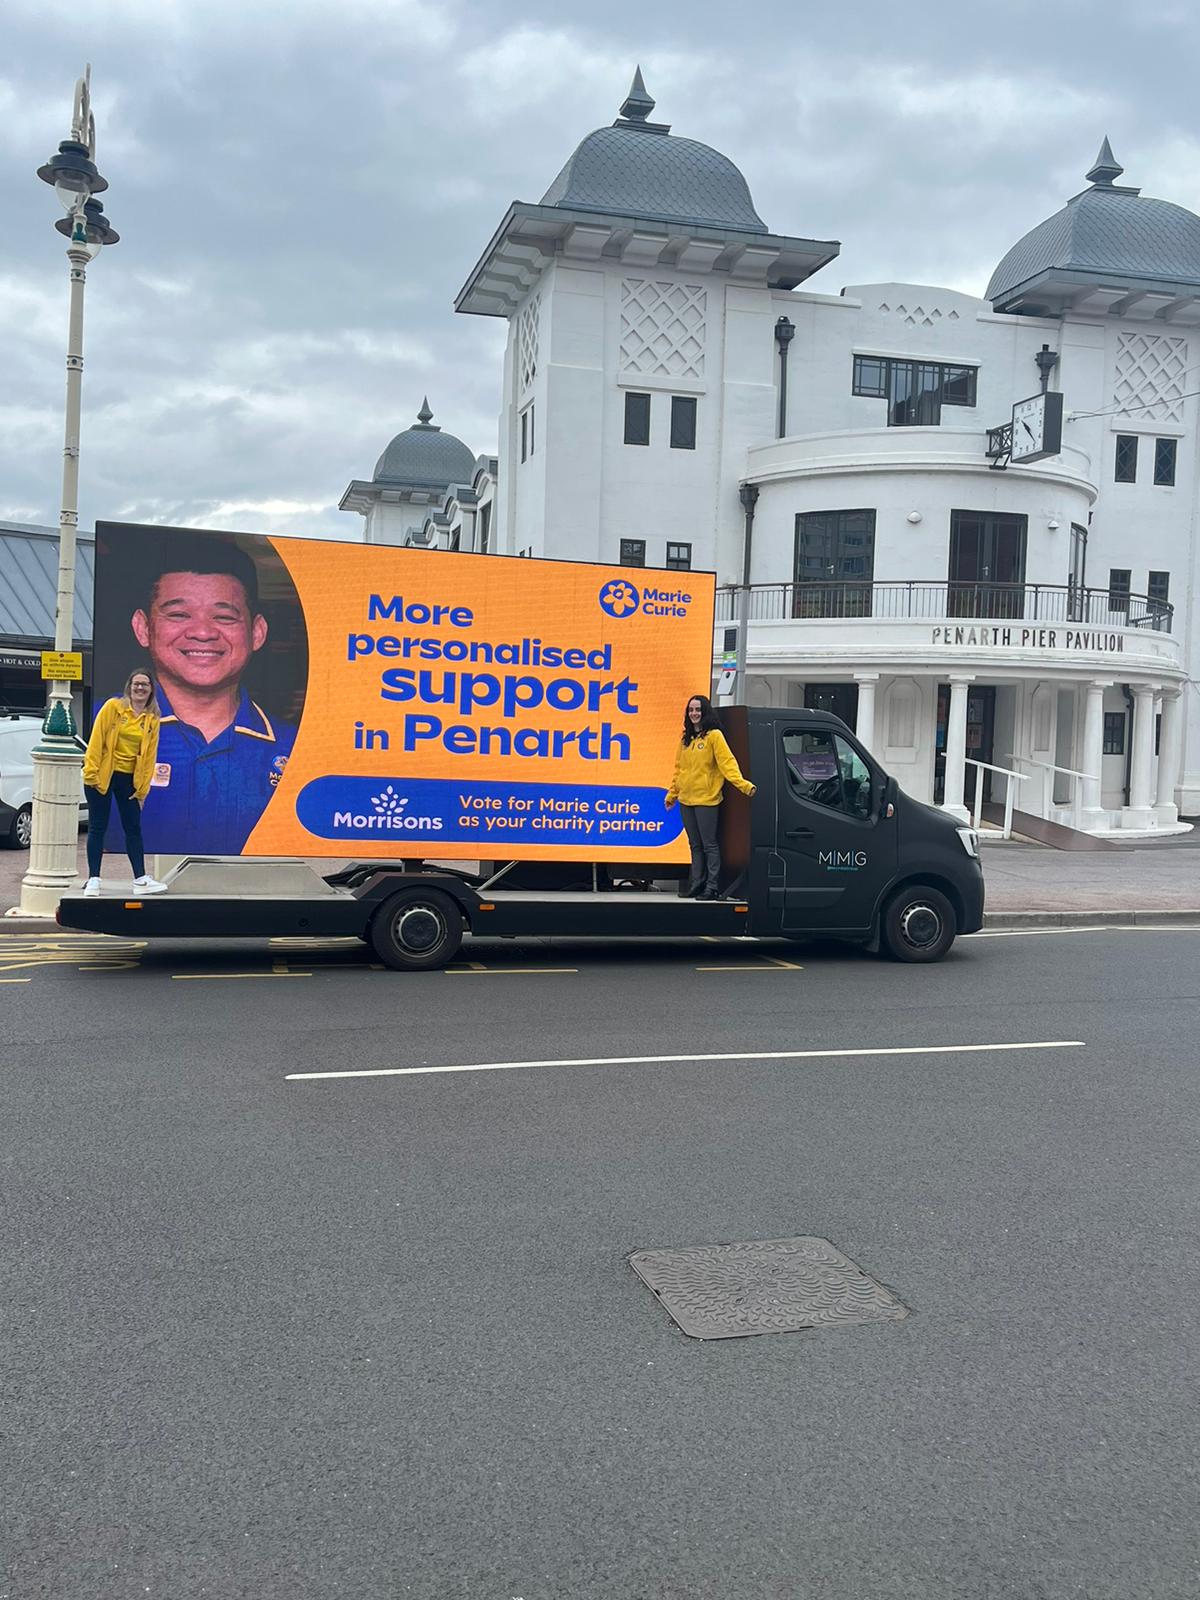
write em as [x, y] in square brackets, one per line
[920, 926]
[419, 929]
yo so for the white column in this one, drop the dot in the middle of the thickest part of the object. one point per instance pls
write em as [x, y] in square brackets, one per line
[956, 746]
[1139, 813]
[1092, 758]
[1170, 751]
[864, 725]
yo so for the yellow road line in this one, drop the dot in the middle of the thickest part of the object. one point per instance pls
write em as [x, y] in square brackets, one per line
[16, 980]
[502, 972]
[183, 977]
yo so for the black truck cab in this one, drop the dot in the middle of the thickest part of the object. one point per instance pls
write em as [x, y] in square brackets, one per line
[828, 846]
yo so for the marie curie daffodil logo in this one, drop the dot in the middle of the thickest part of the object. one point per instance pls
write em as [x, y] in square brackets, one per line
[619, 598]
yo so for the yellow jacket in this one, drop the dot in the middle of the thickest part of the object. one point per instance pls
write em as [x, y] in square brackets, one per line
[702, 769]
[98, 762]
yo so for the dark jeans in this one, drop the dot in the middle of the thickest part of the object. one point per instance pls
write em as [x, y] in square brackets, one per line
[99, 807]
[700, 824]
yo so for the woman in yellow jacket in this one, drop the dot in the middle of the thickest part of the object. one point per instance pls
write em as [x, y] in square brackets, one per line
[703, 765]
[119, 765]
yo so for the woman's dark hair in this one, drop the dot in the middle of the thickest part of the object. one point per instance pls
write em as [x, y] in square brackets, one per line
[708, 718]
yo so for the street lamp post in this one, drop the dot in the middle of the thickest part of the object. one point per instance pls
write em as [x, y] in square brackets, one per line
[57, 758]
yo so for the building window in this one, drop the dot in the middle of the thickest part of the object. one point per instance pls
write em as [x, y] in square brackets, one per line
[915, 391]
[1118, 588]
[1126, 458]
[823, 769]
[485, 527]
[527, 433]
[1114, 733]
[1164, 461]
[456, 539]
[637, 419]
[679, 557]
[683, 422]
[834, 563]
[1159, 587]
[633, 552]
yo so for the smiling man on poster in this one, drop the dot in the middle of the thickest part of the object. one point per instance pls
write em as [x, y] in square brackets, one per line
[220, 756]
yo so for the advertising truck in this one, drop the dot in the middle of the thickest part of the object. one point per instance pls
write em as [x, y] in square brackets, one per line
[479, 746]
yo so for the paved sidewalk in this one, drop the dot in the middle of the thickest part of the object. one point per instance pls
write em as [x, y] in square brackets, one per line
[1161, 877]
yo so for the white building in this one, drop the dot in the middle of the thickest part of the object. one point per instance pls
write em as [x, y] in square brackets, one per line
[673, 396]
[427, 489]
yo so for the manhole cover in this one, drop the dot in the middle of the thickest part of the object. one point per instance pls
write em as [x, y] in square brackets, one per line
[725, 1291]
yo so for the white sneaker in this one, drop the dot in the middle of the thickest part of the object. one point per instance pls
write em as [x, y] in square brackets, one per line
[148, 885]
[91, 888]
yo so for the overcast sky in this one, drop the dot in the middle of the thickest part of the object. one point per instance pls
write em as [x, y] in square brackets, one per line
[301, 188]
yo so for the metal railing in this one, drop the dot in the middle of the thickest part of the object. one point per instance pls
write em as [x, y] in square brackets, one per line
[1010, 792]
[949, 601]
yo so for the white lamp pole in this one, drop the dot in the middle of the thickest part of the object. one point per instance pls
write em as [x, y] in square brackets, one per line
[57, 758]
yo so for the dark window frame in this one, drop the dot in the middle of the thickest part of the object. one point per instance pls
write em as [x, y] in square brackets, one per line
[485, 527]
[1114, 733]
[1125, 455]
[631, 560]
[1120, 581]
[678, 563]
[635, 415]
[683, 421]
[915, 390]
[842, 591]
[1158, 587]
[1166, 455]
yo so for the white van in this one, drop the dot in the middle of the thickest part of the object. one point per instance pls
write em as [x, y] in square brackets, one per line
[18, 735]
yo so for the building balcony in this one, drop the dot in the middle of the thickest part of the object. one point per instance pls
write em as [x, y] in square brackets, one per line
[948, 601]
[1001, 631]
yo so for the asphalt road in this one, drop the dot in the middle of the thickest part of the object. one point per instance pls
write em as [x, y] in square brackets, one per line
[378, 1336]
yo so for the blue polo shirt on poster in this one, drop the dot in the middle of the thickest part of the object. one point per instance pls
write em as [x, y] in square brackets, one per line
[206, 796]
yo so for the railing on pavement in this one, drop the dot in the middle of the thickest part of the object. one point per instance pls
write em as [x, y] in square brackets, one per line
[1009, 792]
[1001, 603]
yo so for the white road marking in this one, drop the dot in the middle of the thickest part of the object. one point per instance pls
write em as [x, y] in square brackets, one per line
[727, 1055]
[1030, 933]
[200, 977]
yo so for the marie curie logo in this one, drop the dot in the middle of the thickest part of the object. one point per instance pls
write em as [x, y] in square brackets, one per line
[619, 598]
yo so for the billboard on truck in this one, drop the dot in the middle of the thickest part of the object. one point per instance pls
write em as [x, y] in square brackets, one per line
[330, 699]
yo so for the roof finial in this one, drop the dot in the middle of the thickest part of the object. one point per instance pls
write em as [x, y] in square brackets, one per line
[1106, 168]
[637, 105]
[425, 415]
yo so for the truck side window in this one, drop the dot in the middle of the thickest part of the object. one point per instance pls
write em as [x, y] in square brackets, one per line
[826, 771]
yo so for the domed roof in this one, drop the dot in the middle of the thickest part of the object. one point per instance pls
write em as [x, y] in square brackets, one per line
[635, 168]
[1107, 231]
[424, 457]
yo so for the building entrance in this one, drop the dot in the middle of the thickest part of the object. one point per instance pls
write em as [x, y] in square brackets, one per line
[981, 728]
[839, 699]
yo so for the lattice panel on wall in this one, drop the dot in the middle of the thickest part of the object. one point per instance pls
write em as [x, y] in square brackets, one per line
[1151, 373]
[527, 342]
[662, 328]
[925, 316]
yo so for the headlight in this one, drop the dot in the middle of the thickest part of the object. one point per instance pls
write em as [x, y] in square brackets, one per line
[970, 840]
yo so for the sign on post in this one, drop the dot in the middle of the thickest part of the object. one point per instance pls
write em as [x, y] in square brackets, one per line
[62, 666]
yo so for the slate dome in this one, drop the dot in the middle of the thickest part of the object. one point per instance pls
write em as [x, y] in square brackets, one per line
[635, 168]
[425, 457]
[1107, 230]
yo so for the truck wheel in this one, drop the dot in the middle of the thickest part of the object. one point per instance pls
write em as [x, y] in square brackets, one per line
[417, 930]
[918, 924]
[20, 835]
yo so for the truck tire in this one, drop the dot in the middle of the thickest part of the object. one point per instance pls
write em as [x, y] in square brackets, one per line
[20, 834]
[417, 930]
[918, 924]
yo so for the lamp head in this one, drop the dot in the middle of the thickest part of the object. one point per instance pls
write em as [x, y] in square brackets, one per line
[92, 230]
[73, 173]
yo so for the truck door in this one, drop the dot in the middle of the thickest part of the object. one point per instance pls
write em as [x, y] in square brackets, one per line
[835, 846]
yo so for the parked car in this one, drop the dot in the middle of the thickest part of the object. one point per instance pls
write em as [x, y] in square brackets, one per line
[18, 735]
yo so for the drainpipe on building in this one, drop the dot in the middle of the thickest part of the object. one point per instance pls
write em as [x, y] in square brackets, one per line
[1128, 693]
[785, 332]
[748, 495]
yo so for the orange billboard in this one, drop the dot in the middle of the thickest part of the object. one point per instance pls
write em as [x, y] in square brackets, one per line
[327, 699]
